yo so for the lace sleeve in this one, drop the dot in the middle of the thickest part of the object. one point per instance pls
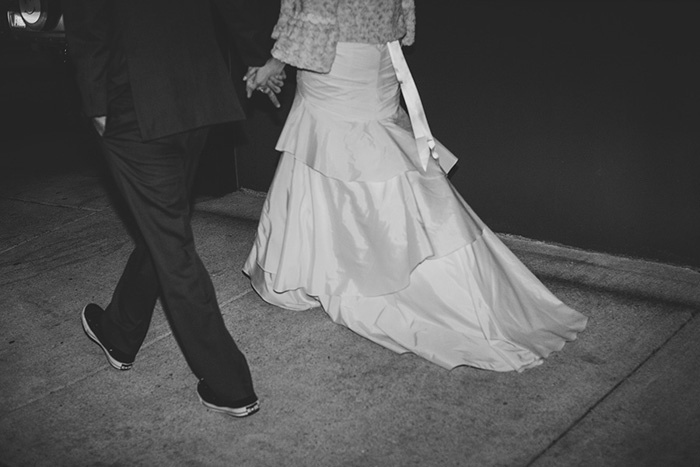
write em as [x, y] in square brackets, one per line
[306, 34]
[409, 14]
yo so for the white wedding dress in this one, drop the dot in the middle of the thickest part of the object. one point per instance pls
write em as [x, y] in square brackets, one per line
[353, 223]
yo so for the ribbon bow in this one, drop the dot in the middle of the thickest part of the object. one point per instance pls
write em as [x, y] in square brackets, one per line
[419, 122]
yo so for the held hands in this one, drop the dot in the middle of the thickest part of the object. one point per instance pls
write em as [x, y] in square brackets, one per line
[99, 123]
[267, 79]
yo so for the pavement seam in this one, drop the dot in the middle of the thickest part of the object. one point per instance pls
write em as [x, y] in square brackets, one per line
[234, 298]
[608, 394]
[636, 293]
[48, 232]
[54, 390]
[56, 205]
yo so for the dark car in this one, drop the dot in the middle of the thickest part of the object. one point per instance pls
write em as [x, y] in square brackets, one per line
[36, 20]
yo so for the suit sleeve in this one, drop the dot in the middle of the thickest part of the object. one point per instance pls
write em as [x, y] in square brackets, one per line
[250, 23]
[88, 26]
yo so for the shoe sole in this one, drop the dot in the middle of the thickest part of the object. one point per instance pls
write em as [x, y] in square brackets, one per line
[112, 361]
[238, 413]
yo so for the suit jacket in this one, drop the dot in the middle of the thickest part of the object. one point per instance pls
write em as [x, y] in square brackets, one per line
[167, 53]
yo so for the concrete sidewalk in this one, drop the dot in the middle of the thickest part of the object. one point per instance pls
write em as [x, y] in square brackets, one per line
[626, 393]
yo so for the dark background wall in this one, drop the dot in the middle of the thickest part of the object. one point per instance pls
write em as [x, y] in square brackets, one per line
[576, 122]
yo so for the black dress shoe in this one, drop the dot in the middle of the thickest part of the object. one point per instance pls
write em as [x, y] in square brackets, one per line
[241, 408]
[91, 324]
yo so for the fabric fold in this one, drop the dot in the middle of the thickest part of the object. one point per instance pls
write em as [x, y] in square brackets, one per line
[356, 238]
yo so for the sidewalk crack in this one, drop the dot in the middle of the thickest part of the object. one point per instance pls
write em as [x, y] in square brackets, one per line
[48, 232]
[607, 395]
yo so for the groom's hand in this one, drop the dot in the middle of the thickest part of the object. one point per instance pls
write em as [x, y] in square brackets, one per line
[250, 80]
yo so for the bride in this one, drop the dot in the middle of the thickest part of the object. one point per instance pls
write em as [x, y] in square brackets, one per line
[361, 221]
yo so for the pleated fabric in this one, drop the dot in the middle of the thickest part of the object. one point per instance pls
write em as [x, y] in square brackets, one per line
[352, 223]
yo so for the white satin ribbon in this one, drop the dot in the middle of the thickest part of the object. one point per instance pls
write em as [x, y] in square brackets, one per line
[419, 122]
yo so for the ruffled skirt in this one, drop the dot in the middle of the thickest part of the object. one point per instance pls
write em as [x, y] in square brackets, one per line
[354, 224]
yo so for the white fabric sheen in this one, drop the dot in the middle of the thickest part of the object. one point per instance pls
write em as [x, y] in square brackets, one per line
[354, 224]
[353, 236]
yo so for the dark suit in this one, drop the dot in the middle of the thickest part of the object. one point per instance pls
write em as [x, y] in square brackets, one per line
[153, 67]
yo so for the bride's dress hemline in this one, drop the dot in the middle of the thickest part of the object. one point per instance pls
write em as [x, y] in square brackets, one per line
[353, 224]
[472, 304]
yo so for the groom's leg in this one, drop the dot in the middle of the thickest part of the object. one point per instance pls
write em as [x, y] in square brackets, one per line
[128, 316]
[155, 178]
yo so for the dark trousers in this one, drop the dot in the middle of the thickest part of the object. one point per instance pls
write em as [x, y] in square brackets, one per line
[155, 178]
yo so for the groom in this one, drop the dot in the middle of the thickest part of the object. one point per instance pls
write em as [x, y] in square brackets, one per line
[153, 80]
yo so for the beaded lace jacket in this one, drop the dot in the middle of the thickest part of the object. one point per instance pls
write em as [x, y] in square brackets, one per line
[308, 30]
